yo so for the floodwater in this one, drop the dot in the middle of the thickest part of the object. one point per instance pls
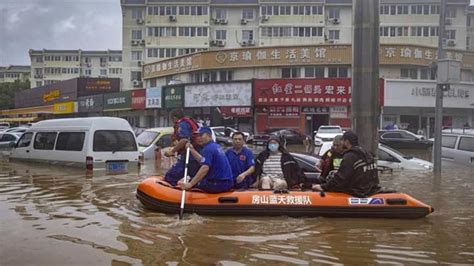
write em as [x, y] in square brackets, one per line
[59, 216]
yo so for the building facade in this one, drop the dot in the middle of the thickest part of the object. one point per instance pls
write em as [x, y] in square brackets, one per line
[470, 28]
[52, 66]
[155, 30]
[13, 73]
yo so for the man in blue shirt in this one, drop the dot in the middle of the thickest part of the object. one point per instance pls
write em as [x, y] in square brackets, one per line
[241, 162]
[215, 175]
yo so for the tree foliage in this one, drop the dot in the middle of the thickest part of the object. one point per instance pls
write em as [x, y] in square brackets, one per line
[7, 93]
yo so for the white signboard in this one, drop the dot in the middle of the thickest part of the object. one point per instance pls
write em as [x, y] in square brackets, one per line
[153, 97]
[399, 93]
[221, 94]
[338, 111]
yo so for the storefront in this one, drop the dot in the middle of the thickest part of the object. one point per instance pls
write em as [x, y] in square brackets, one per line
[119, 104]
[303, 104]
[411, 105]
[153, 105]
[90, 106]
[226, 103]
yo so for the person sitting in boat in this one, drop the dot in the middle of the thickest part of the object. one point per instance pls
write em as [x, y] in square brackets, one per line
[331, 159]
[276, 169]
[241, 162]
[215, 174]
[185, 130]
[357, 174]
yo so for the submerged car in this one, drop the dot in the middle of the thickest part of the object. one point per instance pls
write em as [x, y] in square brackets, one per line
[290, 136]
[403, 139]
[153, 138]
[326, 134]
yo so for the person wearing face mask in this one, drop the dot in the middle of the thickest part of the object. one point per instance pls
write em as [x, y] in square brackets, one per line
[276, 169]
[357, 174]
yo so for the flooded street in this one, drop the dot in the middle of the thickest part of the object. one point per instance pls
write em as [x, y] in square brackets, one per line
[58, 216]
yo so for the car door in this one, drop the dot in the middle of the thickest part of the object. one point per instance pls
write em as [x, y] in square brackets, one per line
[392, 139]
[448, 147]
[387, 160]
[465, 151]
[410, 141]
[23, 146]
[291, 136]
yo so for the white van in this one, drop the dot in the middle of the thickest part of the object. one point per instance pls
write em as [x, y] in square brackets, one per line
[98, 143]
[458, 147]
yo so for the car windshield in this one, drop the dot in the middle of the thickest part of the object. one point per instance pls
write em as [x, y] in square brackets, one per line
[330, 130]
[397, 152]
[146, 138]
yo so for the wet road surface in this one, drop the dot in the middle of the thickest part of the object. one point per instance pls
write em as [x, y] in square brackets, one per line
[59, 216]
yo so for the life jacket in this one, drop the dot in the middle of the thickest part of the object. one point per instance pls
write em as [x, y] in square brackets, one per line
[194, 128]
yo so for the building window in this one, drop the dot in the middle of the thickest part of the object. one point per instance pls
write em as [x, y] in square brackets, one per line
[266, 10]
[307, 31]
[170, 10]
[247, 13]
[333, 34]
[451, 34]
[103, 72]
[136, 75]
[162, 31]
[136, 34]
[193, 31]
[88, 72]
[39, 59]
[220, 13]
[115, 58]
[247, 35]
[314, 72]
[38, 71]
[450, 12]
[221, 34]
[136, 55]
[338, 72]
[226, 75]
[276, 31]
[408, 73]
[39, 83]
[290, 72]
[334, 13]
[137, 13]
[115, 71]
[285, 10]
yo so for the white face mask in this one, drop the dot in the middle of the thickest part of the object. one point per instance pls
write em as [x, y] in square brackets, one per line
[273, 147]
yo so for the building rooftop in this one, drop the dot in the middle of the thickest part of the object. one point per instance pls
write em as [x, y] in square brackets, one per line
[15, 68]
[105, 52]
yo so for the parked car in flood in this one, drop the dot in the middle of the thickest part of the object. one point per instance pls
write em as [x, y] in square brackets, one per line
[326, 133]
[8, 140]
[291, 136]
[458, 148]
[98, 143]
[230, 131]
[402, 139]
[153, 138]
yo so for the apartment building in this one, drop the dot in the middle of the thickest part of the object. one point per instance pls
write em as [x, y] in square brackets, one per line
[470, 28]
[13, 73]
[154, 29]
[51, 66]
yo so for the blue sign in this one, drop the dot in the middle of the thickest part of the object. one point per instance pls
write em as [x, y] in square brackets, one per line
[153, 97]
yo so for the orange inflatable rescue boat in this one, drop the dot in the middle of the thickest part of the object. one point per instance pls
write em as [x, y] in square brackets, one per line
[158, 195]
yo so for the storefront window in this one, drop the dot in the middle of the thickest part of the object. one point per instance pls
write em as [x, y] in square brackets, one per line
[410, 73]
[290, 72]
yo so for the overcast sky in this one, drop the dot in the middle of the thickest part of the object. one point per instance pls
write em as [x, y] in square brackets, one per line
[58, 24]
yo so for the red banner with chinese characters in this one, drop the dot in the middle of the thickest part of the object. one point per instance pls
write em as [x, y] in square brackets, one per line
[139, 99]
[228, 111]
[306, 92]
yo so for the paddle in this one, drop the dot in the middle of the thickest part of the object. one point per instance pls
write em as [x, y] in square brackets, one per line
[181, 211]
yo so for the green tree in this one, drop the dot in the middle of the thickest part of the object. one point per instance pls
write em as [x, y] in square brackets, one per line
[7, 93]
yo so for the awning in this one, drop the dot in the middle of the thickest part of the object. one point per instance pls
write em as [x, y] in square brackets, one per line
[19, 119]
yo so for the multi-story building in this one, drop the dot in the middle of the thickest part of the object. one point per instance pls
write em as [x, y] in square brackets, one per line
[12, 73]
[155, 30]
[470, 28]
[51, 66]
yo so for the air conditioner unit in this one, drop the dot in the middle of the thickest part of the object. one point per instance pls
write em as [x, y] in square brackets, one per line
[451, 43]
[265, 18]
[89, 65]
[38, 76]
[213, 42]
[172, 18]
[137, 83]
[140, 21]
[142, 42]
[140, 63]
[448, 21]
[331, 41]
[243, 21]
[134, 42]
[335, 21]
[251, 42]
[244, 43]
[223, 21]
[220, 43]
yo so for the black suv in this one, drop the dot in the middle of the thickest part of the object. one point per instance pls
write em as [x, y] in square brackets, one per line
[402, 139]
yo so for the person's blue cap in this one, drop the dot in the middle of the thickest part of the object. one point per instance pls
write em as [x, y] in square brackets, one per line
[203, 130]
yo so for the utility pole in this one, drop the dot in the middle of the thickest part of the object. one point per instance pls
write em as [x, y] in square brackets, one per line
[365, 72]
[439, 92]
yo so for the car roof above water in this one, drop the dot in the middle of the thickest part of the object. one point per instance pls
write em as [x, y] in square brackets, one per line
[97, 123]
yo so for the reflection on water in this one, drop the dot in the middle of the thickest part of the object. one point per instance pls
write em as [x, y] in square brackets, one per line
[63, 217]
